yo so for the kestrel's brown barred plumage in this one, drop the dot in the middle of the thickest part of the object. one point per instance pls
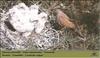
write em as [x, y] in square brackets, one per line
[63, 20]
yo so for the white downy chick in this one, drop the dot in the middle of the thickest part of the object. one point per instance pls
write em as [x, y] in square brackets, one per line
[41, 23]
[23, 18]
[20, 18]
[34, 9]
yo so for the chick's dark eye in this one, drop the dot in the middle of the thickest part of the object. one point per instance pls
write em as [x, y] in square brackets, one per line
[9, 26]
[39, 11]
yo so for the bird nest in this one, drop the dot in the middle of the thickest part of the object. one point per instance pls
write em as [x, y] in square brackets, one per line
[17, 40]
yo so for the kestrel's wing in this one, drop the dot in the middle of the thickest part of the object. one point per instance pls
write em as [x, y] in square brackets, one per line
[64, 20]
